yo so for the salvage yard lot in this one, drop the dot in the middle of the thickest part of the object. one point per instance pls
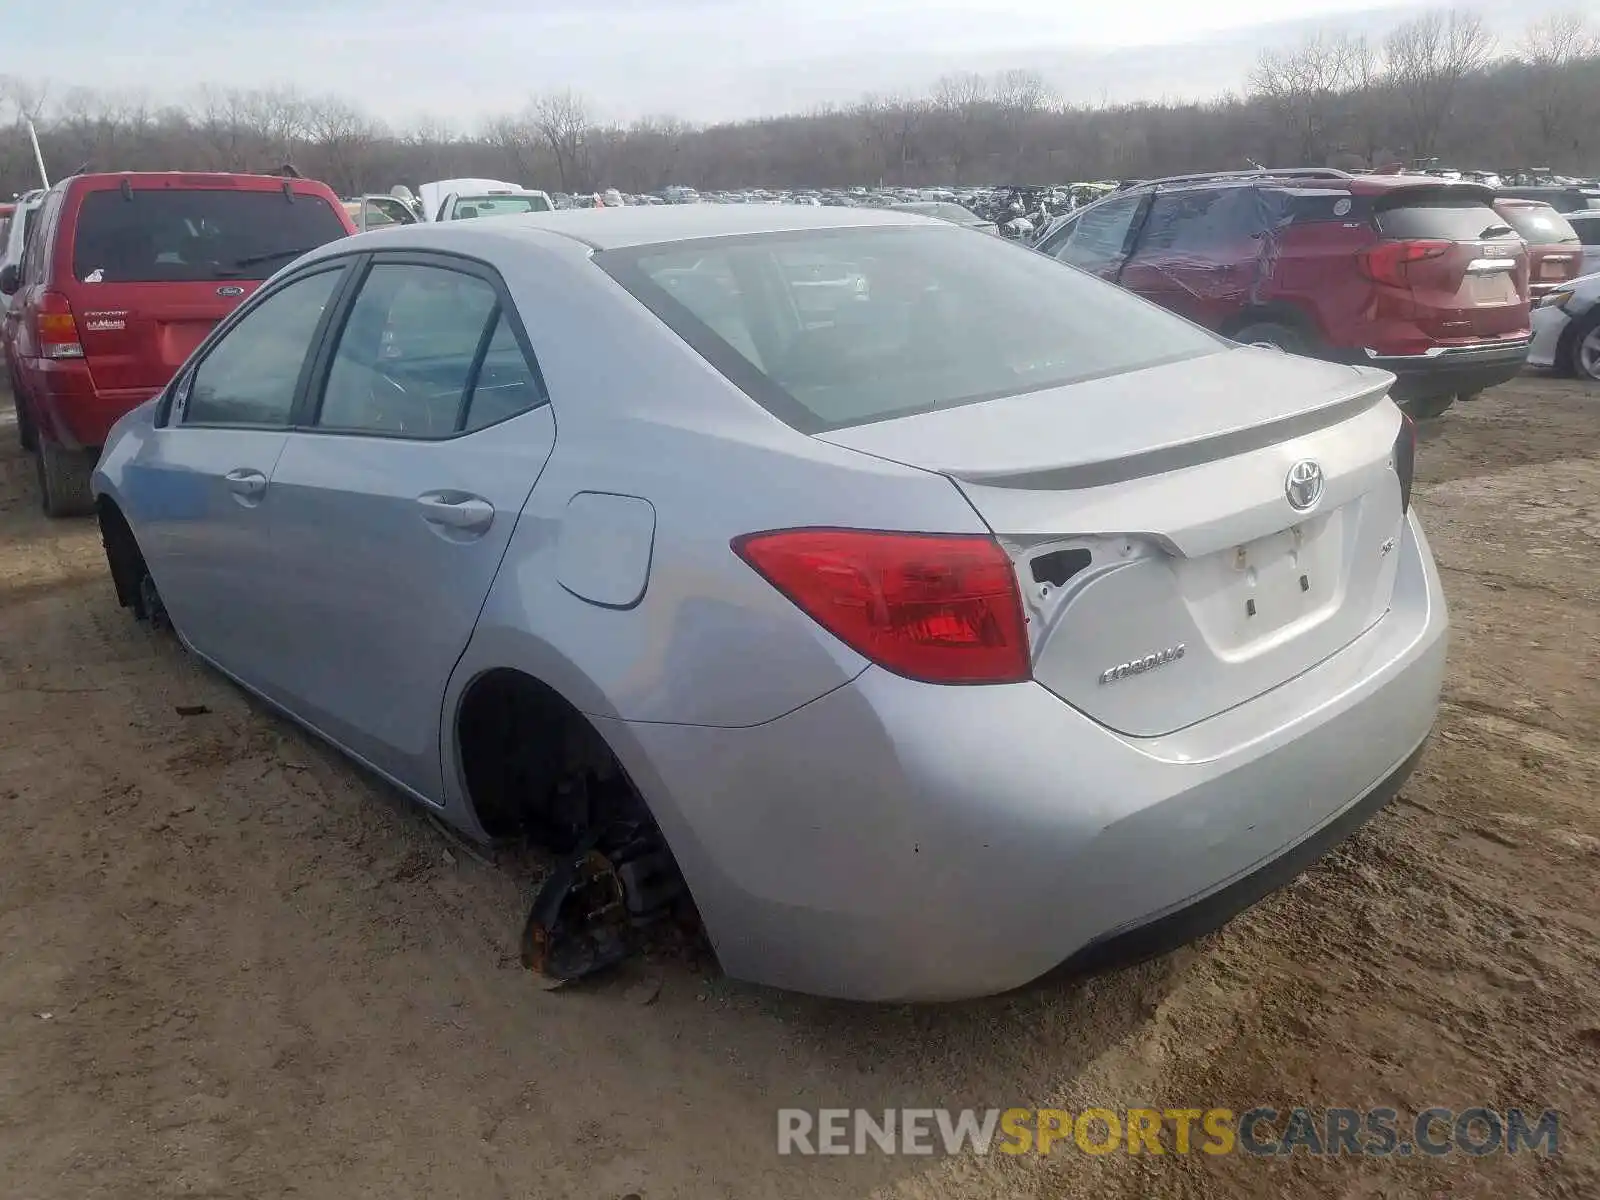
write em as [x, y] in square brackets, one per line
[232, 966]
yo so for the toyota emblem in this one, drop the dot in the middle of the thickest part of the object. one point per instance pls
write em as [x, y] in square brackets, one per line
[1303, 487]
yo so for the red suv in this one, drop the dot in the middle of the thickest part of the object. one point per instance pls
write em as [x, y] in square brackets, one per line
[1555, 253]
[1413, 274]
[122, 278]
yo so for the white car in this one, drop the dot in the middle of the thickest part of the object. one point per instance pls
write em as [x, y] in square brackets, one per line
[16, 235]
[462, 199]
[1566, 329]
[1587, 224]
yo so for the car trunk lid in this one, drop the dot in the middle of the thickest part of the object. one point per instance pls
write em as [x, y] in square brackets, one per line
[1166, 574]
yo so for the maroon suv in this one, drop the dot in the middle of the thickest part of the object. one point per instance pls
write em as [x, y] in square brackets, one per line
[1417, 275]
[123, 276]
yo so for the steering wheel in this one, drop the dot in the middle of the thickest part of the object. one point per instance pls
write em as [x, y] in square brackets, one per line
[396, 408]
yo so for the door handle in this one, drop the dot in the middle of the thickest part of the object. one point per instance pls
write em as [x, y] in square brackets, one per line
[246, 483]
[452, 510]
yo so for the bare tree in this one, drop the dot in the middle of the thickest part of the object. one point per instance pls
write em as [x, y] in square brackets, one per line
[1307, 88]
[1560, 98]
[562, 119]
[959, 104]
[1335, 97]
[221, 119]
[342, 137]
[1428, 58]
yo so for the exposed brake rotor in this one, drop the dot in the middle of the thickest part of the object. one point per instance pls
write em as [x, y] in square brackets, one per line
[588, 914]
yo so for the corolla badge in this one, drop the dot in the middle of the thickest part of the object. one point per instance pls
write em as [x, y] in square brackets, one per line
[231, 289]
[1304, 485]
[1141, 665]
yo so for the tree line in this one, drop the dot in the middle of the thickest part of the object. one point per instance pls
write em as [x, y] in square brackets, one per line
[1437, 86]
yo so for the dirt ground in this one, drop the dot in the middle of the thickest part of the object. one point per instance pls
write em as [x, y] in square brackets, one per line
[232, 966]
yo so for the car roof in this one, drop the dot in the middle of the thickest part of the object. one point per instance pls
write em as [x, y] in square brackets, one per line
[1358, 185]
[227, 180]
[618, 228]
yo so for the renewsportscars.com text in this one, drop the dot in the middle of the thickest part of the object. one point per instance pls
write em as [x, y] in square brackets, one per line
[1262, 1131]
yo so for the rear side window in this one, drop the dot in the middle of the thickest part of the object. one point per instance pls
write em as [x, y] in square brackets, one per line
[174, 235]
[832, 328]
[37, 230]
[1201, 221]
[426, 352]
[406, 354]
[1441, 216]
[1588, 230]
[1541, 225]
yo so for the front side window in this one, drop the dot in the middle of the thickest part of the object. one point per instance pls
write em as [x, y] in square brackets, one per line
[831, 328]
[416, 341]
[1099, 235]
[162, 235]
[251, 375]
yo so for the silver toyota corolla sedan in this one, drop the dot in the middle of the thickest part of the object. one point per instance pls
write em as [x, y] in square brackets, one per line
[930, 614]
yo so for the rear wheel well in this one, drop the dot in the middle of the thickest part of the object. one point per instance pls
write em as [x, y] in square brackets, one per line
[534, 766]
[122, 553]
[1276, 314]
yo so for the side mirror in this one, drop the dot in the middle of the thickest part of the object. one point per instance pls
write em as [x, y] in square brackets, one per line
[10, 280]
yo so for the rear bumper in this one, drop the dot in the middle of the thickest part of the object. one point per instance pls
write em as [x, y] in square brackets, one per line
[1166, 933]
[898, 841]
[69, 409]
[1450, 370]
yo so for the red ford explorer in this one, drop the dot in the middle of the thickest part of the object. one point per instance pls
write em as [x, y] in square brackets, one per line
[122, 278]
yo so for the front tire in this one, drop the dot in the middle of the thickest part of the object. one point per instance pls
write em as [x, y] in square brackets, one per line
[63, 480]
[1585, 353]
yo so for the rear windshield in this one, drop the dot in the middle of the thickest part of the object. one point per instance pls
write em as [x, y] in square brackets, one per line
[1440, 215]
[839, 327]
[1541, 226]
[175, 235]
[499, 206]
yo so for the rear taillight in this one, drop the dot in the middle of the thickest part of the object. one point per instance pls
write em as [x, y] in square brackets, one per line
[1405, 459]
[941, 608]
[57, 331]
[1387, 261]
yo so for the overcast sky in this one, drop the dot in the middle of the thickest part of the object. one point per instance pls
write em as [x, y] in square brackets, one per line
[698, 59]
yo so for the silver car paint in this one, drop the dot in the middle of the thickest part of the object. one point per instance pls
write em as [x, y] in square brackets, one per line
[843, 831]
[1550, 323]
